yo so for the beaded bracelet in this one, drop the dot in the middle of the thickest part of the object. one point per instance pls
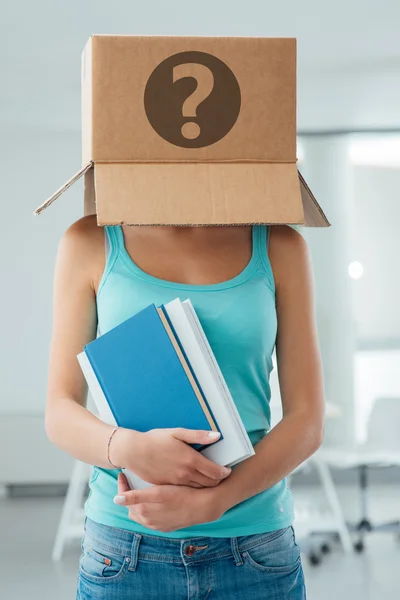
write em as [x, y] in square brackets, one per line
[108, 449]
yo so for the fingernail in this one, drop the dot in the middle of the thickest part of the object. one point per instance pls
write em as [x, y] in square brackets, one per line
[213, 434]
[119, 499]
[227, 470]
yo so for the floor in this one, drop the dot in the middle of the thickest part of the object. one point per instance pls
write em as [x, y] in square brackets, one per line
[27, 529]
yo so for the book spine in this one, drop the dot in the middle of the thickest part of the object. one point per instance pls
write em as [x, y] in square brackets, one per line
[197, 387]
[225, 391]
[96, 387]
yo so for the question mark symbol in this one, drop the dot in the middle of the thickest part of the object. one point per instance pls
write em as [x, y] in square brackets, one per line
[205, 83]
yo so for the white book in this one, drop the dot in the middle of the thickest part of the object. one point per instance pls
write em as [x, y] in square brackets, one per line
[235, 445]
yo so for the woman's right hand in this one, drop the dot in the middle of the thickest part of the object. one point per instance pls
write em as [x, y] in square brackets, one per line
[163, 456]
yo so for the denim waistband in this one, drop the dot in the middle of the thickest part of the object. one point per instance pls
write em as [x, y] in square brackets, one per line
[170, 550]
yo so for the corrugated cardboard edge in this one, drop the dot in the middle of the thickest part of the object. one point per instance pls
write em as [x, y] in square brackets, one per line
[314, 216]
[199, 192]
[89, 193]
[64, 188]
[313, 213]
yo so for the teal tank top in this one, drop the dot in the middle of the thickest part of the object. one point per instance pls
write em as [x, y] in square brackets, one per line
[239, 319]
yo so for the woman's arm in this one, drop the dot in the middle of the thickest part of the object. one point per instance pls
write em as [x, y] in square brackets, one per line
[69, 425]
[295, 438]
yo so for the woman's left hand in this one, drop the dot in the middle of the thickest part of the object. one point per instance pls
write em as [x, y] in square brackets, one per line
[168, 507]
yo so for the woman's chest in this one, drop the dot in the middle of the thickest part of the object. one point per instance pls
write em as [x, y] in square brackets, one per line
[240, 322]
[211, 261]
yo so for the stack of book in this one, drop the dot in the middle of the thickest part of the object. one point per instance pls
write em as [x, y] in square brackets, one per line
[157, 370]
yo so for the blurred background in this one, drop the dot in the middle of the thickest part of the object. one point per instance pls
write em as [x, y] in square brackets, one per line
[347, 496]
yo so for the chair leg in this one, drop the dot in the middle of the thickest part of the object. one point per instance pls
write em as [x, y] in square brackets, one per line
[333, 500]
[363, 472]
[72, 502]
[364, 525]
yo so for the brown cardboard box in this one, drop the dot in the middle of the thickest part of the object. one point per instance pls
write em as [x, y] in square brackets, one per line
[191, 131]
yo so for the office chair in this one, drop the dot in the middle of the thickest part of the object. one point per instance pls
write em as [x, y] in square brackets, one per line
[382, 450]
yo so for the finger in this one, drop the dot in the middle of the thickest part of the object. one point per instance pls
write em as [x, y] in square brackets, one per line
[138, 496]
[211, 469]
[195, 484]
[203, 481]
[123, 485]
[135, 517]
[193, 436]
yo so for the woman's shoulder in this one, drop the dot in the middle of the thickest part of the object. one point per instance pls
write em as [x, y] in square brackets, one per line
[82, 247]
[84, 228]
[285, 240]
[285, 235]
[288, 251]
[84, 234]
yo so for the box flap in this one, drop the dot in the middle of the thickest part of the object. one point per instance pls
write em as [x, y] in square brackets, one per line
[314, 216]
[63, 188]
[220, 193]
[197, 194]
[89, 193]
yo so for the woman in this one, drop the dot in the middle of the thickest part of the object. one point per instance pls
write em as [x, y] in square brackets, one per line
[202, 530]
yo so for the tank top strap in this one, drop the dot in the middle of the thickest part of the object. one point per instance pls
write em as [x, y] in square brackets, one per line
[260, 237]
[113, 238]
[261, 242]
[106, 243]
[112, 241]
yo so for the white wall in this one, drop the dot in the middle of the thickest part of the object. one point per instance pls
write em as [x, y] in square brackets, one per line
[375, 239]
[34, 164]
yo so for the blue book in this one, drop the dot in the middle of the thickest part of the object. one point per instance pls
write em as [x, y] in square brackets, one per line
[140, 377]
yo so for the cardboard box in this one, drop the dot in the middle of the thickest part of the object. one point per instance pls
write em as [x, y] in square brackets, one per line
[191, 131]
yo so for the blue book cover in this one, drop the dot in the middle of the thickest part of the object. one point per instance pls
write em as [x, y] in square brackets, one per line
[146, 378]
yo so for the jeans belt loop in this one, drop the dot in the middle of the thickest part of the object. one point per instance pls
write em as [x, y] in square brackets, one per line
[235, 551]
[135, 551]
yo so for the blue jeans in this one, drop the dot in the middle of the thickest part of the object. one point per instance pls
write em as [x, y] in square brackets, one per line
[117, 564]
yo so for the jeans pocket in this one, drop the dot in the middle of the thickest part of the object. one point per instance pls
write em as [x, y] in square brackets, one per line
[97, 564]
[276, 552]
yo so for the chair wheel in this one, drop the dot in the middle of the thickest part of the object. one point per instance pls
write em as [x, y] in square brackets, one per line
[325, 548]
[314, 559]
[359, 546]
